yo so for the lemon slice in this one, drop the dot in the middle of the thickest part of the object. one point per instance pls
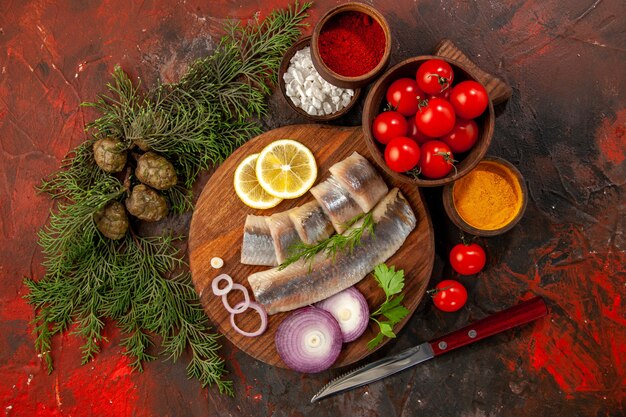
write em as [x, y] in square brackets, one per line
[286, 169]
[248, 188]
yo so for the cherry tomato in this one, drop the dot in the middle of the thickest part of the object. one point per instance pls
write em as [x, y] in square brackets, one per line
[449, 295]
[436, 118]
[414, 133]
[434, 76]
[467, 259]
[436, 160]
[462, 137]
[389, 125]
[402, 154]
[469, 99]
[445, 94]
[404, 95]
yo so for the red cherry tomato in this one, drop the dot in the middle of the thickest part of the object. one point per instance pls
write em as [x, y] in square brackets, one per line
[445, 94]
[467, 259]
[436, 118]
[436, 160]
[404, 95]
[434, 76]
[462, 137]
[414, 133]
[402, 154]
[389, 125]
[469, 99]
[449, 295]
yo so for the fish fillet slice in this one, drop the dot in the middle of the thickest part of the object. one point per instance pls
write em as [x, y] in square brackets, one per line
[283, 233]
[336, 202]
[301, 284]
[311, 223]
[357, 176]
[257, 247]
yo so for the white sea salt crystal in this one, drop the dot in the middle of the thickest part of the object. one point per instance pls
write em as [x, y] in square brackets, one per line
[319, 94]
[309, 91]
[298, 76]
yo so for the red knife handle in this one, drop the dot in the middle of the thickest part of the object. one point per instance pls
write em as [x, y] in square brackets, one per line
[522, 313]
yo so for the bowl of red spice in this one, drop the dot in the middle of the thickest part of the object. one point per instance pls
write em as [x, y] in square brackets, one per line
[433, 151]
[351, 45]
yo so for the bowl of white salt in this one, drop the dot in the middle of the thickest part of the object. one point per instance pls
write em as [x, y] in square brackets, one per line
[304, 89]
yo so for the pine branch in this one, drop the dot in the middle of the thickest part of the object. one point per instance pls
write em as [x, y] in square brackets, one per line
[141, 283]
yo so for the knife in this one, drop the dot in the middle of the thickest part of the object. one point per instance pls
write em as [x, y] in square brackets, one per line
[518, 315]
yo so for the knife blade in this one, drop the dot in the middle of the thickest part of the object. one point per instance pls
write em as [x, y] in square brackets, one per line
[518, 315]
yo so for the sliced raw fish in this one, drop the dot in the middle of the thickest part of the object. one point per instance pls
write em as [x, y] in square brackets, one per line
[337, 203]
[283, 233]
[357, 176]
[257, 247]
[311, 223]
[301, 283]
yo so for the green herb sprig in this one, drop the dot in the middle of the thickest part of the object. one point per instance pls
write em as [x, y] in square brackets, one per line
[392, 283]
[141, 284]
[334, 244]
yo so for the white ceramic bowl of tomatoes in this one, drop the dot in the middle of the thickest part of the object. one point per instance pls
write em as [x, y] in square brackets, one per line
[428, 121]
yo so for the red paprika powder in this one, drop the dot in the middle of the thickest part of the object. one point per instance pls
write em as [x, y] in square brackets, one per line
[351, 43]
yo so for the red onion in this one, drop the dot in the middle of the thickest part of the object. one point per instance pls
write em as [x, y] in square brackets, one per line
[222, 291]
[262, 314]
[350, 309]
[309, 340]
[242, 306]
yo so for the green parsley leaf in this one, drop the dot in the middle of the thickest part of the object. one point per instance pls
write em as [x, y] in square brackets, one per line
[375, 341]
[396, 314]
[392, 283]
[386, 329]
[390, 280]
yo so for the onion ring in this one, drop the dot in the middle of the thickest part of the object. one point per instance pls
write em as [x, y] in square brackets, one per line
[242, 306]
[222, 291]
[262, 313]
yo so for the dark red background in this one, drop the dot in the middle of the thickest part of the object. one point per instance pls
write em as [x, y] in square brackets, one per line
[564, 128]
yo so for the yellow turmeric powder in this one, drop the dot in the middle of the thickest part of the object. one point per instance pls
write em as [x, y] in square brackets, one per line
[489, 197]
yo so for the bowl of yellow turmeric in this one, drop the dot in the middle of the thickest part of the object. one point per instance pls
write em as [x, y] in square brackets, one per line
[489, 200]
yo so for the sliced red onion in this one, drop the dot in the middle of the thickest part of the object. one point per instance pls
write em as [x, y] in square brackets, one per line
[262, 313]
[242, 306]
[351, 311]
[215, 285]
[309, 340]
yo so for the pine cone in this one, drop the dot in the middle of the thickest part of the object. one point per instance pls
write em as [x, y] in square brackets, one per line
[108, 155]
[146, 204]
[112, 221]
[141, 144]
[156, 171]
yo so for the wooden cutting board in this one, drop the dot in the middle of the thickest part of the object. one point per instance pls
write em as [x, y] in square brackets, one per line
[217, 230]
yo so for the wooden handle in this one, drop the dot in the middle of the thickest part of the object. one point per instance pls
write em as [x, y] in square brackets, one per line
[498, 90]
[522, 313]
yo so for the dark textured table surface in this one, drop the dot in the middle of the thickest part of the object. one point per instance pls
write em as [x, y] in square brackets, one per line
[564, 128]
